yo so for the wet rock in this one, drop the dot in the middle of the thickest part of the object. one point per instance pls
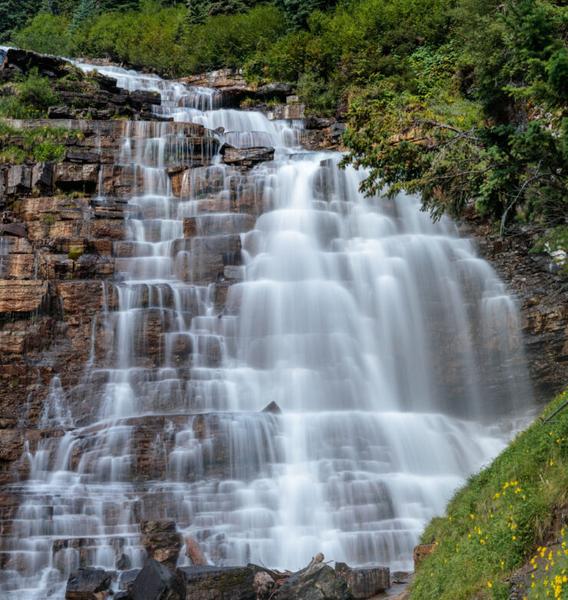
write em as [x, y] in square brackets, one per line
[318, 582]
[194, 553]
[218, 583]
[88, 584]
[156, 582]
[246, 157]
[364, 582]
[401, 577]
[263, 585]
[273, 408]
[161, 541]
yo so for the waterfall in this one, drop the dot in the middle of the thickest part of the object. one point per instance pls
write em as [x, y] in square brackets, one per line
[392, 351]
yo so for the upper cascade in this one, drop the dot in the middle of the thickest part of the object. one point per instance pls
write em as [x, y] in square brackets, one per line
[392, 350]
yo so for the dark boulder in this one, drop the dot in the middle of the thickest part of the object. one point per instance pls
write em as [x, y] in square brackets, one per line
[318, 582]
[218, 583]
[156, 582]
[246, 157]
[364, 582]
[273, 408]
[274, 91]
[88, 584]
[318, 123]
[47, 66]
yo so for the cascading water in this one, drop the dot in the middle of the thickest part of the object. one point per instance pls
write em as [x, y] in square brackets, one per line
[390, 348]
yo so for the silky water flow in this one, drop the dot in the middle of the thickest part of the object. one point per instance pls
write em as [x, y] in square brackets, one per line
[391, 351]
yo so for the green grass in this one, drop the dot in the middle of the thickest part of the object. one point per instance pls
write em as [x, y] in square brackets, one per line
[38, 144]
[500, 519]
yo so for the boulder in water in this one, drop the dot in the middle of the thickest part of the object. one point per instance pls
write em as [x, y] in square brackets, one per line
[156, 582]
[317, 581]
[273, 408]
[364, 582]
[161, 541]
[194, 553]
[88, 584]
[219, 583]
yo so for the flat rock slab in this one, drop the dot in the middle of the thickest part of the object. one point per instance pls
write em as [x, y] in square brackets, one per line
[364, 582]
[218, 583]
[88, 584]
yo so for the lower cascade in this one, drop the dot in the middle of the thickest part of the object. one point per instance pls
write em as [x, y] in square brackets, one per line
[348, 364]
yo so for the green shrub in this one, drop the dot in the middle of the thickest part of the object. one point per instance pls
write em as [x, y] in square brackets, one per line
[38, 144]
[28, 98]
[229, 40]
[46, 33]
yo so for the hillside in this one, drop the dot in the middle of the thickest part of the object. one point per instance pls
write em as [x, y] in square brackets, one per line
[505, 532]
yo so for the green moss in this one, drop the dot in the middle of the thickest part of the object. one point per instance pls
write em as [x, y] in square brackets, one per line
[497, 521]
[48, 219]
[75, 252]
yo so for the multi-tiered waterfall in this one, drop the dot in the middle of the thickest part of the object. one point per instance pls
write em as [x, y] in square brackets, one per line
[391, 350]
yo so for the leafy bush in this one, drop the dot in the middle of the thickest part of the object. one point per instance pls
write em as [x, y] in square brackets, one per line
[39, 144]
[30, 97]
[229, 40]
[46, 33]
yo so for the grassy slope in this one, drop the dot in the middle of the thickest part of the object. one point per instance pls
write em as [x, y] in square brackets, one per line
[501, 520]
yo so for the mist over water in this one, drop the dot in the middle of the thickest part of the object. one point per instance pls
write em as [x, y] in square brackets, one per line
[392, 350]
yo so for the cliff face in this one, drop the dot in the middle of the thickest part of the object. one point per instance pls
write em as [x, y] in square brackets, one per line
[542, 294]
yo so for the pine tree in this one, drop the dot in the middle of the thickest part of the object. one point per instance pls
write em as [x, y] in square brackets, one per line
[227, 7]
[197, 11]
[85, 10]
[14, 14]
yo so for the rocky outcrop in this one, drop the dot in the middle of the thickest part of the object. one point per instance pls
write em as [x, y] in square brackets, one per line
[246, 157]
[542, 294]
[161, 541]
[80, 95]
[233, 88]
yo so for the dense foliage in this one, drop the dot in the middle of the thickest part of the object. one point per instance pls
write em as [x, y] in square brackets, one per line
[28, 98]
[37, 144]
[464, 101]
[503, 518]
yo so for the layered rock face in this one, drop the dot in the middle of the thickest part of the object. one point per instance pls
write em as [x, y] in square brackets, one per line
[137, 353]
